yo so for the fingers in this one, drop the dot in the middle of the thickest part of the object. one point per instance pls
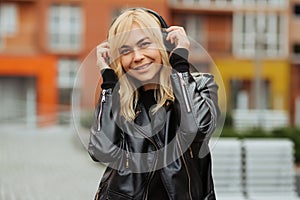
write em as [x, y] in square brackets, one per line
[177, 35]
[102, 52]
[172, 28]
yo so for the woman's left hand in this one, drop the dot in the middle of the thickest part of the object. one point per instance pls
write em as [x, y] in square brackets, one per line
[176, 35]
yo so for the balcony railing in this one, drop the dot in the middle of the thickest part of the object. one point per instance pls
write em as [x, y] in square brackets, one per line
[230, 5]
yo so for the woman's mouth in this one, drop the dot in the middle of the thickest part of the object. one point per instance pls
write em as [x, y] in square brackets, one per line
[142, 67]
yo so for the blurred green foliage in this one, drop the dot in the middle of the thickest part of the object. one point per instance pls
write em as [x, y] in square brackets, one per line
[86, 119]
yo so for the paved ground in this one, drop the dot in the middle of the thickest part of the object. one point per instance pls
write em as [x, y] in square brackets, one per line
[298, 181]
[48, 163]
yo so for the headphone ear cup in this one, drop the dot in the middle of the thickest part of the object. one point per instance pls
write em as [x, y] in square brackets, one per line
[169, 46]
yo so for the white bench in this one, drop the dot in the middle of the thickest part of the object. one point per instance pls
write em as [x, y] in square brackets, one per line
[227, 168]
[266, 119]
[269, 169]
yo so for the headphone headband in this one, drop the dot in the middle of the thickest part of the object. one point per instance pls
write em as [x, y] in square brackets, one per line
[169, 46]
[160, 18]
[163, 23]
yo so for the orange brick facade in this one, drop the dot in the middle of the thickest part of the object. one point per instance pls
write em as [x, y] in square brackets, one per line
[42, 68]
[27, 52]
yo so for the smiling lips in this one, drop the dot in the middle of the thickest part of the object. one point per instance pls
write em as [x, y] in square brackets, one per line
[140, 68]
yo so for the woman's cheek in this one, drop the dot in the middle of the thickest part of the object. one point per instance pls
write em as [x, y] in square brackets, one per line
[125, 62]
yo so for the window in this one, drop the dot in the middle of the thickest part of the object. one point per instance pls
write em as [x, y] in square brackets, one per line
[1, 42]
[275, 3]
[259, 32]
[243, 94]
[299, 81]
[223, 2]
[67, 71]
[296, 49]
[207, 2]
[297, 111]
[297, 10]
[193, 26]
[8, 19]
[65, 27]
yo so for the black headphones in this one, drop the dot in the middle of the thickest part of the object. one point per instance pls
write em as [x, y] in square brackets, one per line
[169, 46]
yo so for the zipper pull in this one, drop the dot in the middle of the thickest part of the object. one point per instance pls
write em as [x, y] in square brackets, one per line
[184, 93]
[181, 79]
[191, 152]
[127, 160]
[100, 109]
[103, 95]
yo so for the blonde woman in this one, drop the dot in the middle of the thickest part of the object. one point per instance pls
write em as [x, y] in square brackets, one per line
[153, 119]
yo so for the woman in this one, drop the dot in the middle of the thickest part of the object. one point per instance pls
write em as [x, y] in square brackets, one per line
[153, 119]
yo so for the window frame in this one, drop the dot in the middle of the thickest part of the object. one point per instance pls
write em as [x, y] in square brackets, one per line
[9, 15]
[67, 72]
[65, 27]
[246, 28]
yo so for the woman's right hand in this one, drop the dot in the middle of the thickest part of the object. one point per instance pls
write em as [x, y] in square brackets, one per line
[177, 35]
[102, 52]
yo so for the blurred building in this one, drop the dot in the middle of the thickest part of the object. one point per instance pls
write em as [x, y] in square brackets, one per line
[249, 42]
[47, 52]
[28, 73]
[42, 46]
[295, 60]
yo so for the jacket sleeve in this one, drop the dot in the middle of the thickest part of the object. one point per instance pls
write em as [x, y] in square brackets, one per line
[105, 136]
[198, 100]
[196, 95]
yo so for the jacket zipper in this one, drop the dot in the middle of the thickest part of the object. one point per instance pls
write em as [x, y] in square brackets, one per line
[155, 163]
[183, 88]
[153, 171]
[127, 159]
[101, 108]
[186, 168]
[191, 152]
[147, 189]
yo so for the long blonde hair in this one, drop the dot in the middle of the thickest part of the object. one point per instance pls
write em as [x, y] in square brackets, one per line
[118, 33]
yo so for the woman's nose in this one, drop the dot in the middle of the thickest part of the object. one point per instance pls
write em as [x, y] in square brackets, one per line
[138, 55]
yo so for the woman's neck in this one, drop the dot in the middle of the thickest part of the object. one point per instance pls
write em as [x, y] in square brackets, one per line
[150, 86]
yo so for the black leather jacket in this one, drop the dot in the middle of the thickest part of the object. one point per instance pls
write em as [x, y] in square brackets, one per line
[178, 149]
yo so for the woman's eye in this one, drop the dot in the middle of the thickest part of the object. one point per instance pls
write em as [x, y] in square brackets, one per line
[124, 51]
[144, 45]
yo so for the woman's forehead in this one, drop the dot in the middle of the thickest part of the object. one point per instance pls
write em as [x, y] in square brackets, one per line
[136, 34]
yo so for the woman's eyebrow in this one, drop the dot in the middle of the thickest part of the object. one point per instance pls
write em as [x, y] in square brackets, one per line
[124, 46]
[142, 40]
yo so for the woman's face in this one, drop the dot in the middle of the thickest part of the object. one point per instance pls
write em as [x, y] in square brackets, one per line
[140, 56]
